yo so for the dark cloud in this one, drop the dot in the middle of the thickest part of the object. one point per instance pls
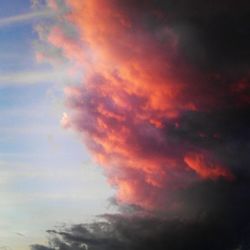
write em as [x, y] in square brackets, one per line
[214, 217]
[189, 212]
[39, 247]
[225, 132]
[214, 34]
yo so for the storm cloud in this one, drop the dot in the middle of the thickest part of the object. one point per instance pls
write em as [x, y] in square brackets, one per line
[163, 107]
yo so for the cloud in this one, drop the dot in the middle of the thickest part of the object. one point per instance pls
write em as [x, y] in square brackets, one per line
[163, 107]
[25, 17]
[144, 103]
[212, 226]
[31, 77]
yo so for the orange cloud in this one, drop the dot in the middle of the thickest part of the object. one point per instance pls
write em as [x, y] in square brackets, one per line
[205, 168]
[134, 90]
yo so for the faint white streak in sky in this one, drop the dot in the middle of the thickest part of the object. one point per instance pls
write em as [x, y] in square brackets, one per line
[25, 17]
[31, 77]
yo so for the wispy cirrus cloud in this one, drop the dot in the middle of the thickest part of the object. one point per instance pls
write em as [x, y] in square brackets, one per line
[25, 17]
[31, 77]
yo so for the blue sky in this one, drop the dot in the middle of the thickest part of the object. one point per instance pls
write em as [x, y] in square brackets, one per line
[46, 175]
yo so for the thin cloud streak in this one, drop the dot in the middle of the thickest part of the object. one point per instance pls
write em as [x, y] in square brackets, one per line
[25, 17]
[31, 77]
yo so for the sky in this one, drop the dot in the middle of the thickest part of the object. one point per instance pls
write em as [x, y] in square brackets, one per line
[125, 125]
[47, 177]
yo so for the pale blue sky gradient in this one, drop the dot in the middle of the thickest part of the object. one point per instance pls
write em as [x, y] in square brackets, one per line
[46, 175]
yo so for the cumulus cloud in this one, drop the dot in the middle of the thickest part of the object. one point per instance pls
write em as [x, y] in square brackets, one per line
[163, 107]
[144, 100]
